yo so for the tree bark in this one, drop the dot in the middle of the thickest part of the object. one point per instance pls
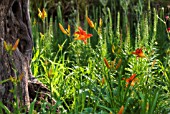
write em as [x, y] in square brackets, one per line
[15, 24]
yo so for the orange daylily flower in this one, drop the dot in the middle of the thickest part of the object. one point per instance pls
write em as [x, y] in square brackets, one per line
[42, 14]
[139, 52]
[131, 80]
[90, 22]
[82, 35]
[121, 110]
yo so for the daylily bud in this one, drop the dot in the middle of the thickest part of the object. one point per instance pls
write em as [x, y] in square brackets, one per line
[121, 110]
[67, 31]
[100, 22]
[90, 22]
[15, 45]
[106, 63]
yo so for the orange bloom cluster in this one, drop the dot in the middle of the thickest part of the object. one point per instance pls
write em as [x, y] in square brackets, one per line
[139, 52]
[82, 35]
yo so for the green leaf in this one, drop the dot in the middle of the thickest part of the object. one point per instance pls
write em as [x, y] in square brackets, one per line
[154, 103]
[36, 55]
[32, 107]
[5, 108]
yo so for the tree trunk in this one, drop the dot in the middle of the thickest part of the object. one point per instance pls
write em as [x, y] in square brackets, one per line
[15, 24]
